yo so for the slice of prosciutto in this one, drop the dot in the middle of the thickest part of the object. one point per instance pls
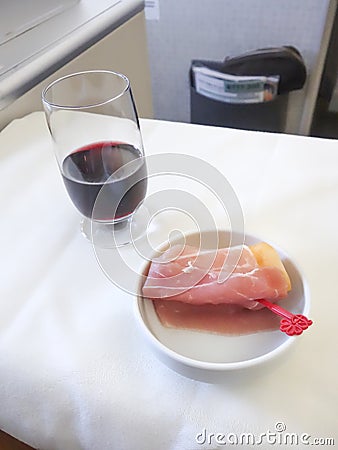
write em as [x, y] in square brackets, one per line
[235, 275]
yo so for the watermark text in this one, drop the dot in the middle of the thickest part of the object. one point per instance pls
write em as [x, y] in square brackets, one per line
[279, 436]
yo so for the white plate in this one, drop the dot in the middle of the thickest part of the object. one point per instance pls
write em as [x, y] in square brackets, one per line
[202, 355]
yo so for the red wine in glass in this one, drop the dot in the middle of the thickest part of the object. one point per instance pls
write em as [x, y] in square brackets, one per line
[96, 137]
[86, 170]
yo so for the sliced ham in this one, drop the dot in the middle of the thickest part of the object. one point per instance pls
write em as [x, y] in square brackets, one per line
[235, 275]
[220, 319]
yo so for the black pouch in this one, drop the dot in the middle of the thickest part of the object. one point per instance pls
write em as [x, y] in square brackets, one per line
[285, 62]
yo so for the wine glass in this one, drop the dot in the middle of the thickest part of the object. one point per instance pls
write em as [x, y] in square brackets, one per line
[93, 122]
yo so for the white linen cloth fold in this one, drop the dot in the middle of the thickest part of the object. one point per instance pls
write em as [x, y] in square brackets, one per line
[75, 371]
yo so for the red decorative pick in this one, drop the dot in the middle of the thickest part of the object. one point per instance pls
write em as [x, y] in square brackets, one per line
[291, 324]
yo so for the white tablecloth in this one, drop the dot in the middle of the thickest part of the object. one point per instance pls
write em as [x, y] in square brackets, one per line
[75, 371]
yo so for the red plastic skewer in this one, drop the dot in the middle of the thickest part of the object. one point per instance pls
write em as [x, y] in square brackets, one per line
[291, 324]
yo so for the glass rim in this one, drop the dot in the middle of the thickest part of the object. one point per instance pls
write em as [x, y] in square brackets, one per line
[84, 72]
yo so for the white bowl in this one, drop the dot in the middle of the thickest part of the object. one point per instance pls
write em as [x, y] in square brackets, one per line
[206, 356]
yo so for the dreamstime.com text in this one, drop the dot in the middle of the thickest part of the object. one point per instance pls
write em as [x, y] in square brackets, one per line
[278, 437]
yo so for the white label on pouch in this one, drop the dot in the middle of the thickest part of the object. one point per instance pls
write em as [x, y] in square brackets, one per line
[234, 89]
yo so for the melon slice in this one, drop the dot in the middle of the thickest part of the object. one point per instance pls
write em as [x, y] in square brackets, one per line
[267, 256]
